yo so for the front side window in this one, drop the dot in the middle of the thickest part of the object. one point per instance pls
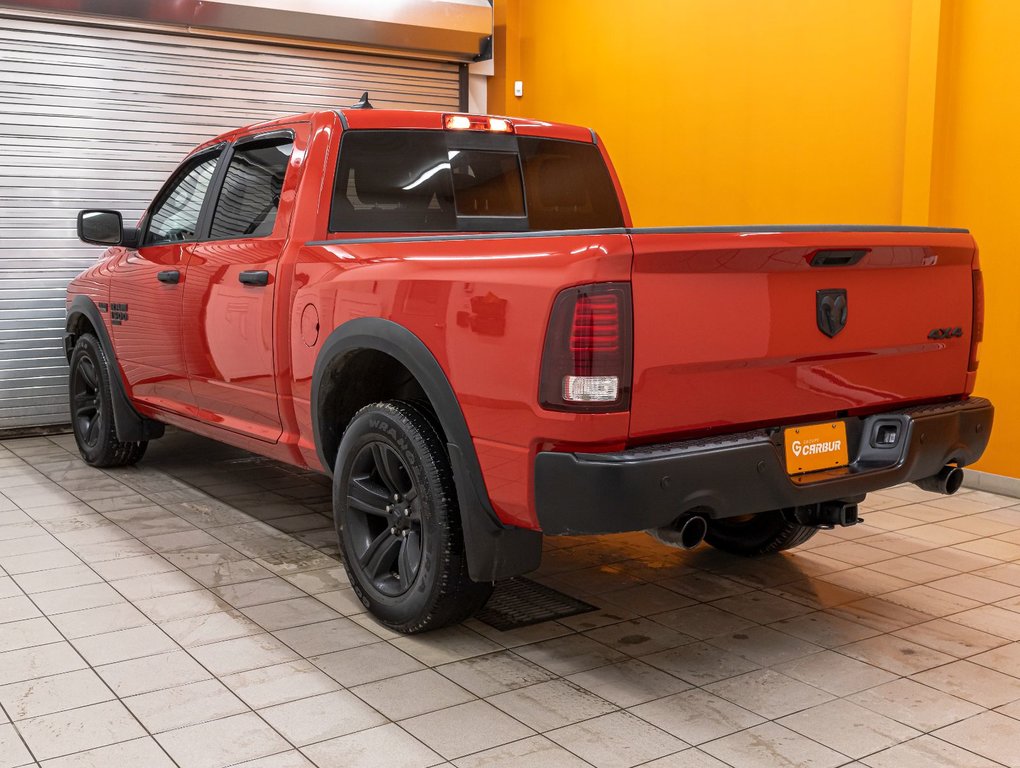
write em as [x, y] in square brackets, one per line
[175, 216]
[250, 196]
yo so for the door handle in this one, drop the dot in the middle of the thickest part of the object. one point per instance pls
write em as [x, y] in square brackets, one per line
[254, 277]
[171, 276]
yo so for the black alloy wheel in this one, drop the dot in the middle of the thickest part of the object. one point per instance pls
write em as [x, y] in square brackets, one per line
[385, 519]
[87, 402]
[91, 404]
[398, 521]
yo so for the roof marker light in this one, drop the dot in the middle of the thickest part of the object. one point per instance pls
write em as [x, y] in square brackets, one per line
[477, 123]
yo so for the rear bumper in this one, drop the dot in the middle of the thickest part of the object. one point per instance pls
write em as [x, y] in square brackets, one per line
[726, 476]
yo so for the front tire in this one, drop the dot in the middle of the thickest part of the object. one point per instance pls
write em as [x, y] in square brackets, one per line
[756, 535]
[396, 515]
[92, 408]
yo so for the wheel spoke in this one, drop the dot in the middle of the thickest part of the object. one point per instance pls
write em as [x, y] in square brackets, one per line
[388, 467]
[92, 430]
[88, 374]
[85, 405]
[409, 559]
[364, 498]
[380, 555]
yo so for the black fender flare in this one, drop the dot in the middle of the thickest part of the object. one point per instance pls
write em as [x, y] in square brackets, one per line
[131, 426]
[494, 550]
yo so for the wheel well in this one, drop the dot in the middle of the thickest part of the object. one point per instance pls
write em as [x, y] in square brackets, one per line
[78, 325]
[353, 381]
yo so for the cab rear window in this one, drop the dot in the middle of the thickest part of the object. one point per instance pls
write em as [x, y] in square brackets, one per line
[432, 181]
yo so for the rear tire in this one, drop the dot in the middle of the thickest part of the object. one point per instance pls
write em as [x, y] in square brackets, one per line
[756, 535]
[396, 515]
[92, 408]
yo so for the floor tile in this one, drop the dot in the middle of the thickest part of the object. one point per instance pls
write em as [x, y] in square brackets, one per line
[466, 728]
[638, 637]
[124, 644]
[836, 673]
[446, 645]
[17, 608]
[629, 683]
[366, 664]
[135, 753]
[616, 740]
[75, 730]
[914, 704]
[27, 633]
[13, 752]
[46, 695]
[387, 746]
[495, 673]
[39, 661]
[894, 654]
[772, 746]
[860, 731]
[768, 693]
[552, 704]
[184, 705]
[973, 682]
[152, 673]
[210, 628]
[764, 646]
[534, 751]
[989, 734]
[703, 621]
[700, 663]
[412, 694]
[322, 717]
[927, 752]
[336, 634]
[181, 605]
[242, 653]
[222, 742]
[76, 598]
[95, 621]
[279, 683]
[697, 716]
[951, 638]
[285, 614]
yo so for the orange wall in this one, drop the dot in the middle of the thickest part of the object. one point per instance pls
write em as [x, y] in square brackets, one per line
[787, 111]
[976, 183]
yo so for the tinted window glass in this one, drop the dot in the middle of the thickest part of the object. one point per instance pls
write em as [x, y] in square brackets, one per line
[412, 181]
[175, 217]
[486, 183]
[250, 195]
[393, 181]
[568, 185]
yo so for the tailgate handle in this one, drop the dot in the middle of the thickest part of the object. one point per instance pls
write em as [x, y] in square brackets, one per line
[254, 277]
[837, 258]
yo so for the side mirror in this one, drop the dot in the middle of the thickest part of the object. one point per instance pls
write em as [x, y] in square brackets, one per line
[102, 227]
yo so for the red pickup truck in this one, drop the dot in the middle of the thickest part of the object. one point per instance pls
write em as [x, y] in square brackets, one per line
[454, 316]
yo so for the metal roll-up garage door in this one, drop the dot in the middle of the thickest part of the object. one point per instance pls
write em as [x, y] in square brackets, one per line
[97, 117]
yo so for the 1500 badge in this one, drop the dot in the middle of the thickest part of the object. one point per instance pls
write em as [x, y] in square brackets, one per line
[945, 333]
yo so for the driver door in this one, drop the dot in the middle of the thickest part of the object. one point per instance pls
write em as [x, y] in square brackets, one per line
[147, 290]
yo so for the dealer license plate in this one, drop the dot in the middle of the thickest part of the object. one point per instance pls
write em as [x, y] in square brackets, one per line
[814, 447]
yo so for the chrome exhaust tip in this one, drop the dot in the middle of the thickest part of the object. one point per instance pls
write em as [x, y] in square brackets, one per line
[947, 481]
[685, 533]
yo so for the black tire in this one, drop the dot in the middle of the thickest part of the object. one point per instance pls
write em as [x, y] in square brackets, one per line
[92, 408]
[760, 534]
[396, 516]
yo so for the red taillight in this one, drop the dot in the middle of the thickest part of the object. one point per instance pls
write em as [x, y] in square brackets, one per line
[477, 123]
[977, 331]
[586, 364]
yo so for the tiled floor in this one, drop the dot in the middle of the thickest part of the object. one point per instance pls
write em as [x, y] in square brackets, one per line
[191, 612]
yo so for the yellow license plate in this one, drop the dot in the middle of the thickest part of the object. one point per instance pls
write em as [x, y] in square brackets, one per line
[816, 446]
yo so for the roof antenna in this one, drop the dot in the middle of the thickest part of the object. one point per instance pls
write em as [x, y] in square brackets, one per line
[364, 103]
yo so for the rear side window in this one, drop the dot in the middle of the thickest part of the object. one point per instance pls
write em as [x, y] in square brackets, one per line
[568, 185]
[175, 215]
[250, 196]
[428, 181]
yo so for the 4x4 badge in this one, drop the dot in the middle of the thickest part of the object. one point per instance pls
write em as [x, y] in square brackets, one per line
[831, 310]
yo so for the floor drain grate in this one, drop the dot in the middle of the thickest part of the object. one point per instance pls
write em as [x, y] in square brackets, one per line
[520, 602]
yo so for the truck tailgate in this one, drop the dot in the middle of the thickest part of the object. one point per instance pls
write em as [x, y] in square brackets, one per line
[727, 330]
